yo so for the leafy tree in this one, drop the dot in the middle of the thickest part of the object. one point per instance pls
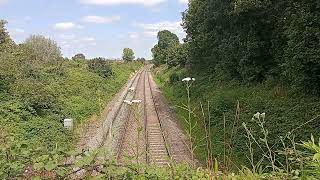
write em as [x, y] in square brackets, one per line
[79, 56]
[45, 50]
[166, 41]
[6, 44]
[252, 41]
[100, 66]
[177, 55]
[301, 52]
[9, 63]
[141, 60]
[128, 54]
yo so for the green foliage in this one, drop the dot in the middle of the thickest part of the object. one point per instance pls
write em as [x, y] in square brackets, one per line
[79, 56]
[128, 55]
[38, 89]
[45, 50]
[100, 66]
[301, 54]
[5, 41]
[177, 55]
[142, 60]
[253, 41]
[168, 50]
[285, 113]
[313, 166]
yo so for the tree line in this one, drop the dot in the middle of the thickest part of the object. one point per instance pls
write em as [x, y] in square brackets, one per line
[249, 41]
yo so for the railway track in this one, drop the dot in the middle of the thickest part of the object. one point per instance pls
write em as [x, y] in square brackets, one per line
[149, 145]
[120, 128]
[156, 145]
[115, 123]
[112, 127]
[131, 116]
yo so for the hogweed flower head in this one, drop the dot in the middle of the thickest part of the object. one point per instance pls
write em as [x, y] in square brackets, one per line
[187, 79]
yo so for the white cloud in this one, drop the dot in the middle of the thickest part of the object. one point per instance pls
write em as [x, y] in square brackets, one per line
[119, 2]
[100, 19]
[66, 26]
[88, 39]
[184, 1]
[66, 36]
[152, 29]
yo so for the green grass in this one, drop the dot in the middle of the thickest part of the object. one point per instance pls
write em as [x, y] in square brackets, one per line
[285, 111]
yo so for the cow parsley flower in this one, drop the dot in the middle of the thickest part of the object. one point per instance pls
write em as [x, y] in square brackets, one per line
[257, 115]
[131, 89]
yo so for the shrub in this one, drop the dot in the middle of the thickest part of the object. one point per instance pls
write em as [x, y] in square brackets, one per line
[100, 66]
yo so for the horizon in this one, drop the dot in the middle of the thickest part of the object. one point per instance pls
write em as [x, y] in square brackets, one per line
[96, 28]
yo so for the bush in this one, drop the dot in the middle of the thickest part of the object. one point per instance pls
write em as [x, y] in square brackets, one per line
[100, 66]
[174, 77]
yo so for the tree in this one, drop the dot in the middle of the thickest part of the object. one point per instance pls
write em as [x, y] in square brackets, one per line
[301, 53]
[79, 56]
[45, 50]
[6, 44]
[100, 66]
[128, 54]
[177, 55]
[252, 41]
[141, 60]
[166, 41]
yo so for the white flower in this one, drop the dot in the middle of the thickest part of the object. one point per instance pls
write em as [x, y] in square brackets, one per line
[128, 102]
[132, 89]
[186, 79]
[136, 101]
[257, 115]
[263, 115]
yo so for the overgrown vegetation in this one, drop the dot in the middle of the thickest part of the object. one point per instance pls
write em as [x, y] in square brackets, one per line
[247, 57]
[255, 41]
[224, 113]
[38, 89]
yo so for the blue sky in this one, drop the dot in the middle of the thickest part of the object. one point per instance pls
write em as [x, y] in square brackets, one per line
[94, 27]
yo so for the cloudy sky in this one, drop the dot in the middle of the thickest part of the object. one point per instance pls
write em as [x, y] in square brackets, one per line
[94, 27]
